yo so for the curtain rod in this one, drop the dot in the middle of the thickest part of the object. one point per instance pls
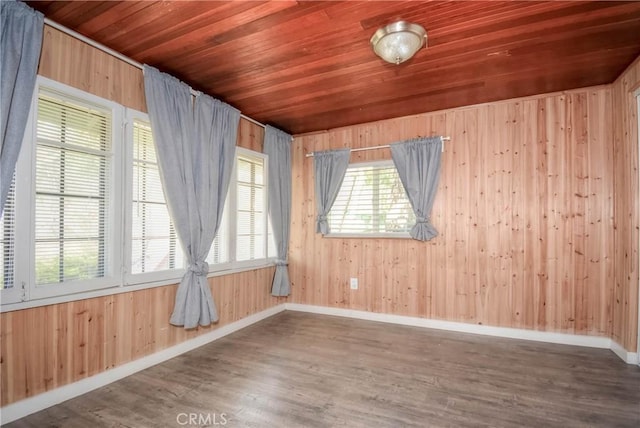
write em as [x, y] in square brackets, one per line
[118, 55]
[386, 146]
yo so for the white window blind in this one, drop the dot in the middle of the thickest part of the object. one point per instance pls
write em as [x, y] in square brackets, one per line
[7, 239]
[371, 201]
[251, 220]
[219, 251]
[154, 243]
[85, 195]
[72, 186]
[271, 243]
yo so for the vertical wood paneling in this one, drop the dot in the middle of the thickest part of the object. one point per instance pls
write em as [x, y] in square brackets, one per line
[250, 136]
[47, 347]
[523, 214]
[625, 140]
[75, 63]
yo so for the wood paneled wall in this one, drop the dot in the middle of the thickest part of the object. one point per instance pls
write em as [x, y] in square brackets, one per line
[625, 139]
[50, 346]
[524, 210]
[47, 347]
[72, 62]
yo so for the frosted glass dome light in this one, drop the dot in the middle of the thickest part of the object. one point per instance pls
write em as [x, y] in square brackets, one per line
[397, 42]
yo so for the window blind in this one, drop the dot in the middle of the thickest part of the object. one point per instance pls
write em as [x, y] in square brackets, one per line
[251, 221]
[155, 246]
[73, 157]
[7, 239]
[67, 234]
[371, 200]
[219, 251]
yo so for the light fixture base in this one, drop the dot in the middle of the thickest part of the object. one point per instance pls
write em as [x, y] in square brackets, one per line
[399, 41]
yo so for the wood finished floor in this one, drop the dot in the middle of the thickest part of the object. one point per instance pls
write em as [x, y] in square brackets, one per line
[304, 370]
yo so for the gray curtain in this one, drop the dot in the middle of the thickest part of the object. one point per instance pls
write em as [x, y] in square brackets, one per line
[330, 167]
[277, 145]
[20, 42]
[195, 142]
[418, 164]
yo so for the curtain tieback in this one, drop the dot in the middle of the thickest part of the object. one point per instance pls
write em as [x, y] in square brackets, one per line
[280, 262]
[322, 218]
[422, 220]
[200, 268]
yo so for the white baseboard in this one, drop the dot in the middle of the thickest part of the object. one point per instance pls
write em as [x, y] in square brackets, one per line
[39, 402]
[626, 356]
[512, 333]
[34, 404]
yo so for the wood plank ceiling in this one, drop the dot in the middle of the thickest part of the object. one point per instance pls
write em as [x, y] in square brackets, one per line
[308, 66]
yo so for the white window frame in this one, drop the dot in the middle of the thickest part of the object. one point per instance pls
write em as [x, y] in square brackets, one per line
[25, 201]
[172, 275]
[391, 235]
[231, 201]
[24, 294]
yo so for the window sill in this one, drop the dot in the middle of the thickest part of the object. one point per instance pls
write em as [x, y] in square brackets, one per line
[222, 271]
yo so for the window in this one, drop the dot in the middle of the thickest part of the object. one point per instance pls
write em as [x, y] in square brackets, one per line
[371, 201]
[251, 219]
[87, 211]
[219, 251]
[154, 243]
[247, 200]
[62, 224]
[156, 253]
[72, 191]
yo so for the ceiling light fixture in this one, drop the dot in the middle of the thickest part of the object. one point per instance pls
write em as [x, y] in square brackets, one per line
[397, 42]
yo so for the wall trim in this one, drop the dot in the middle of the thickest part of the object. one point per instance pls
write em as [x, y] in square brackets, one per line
[626, 356]
[22, 408]
[486, 330]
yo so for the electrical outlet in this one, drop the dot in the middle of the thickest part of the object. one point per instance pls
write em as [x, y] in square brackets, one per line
[354, 283]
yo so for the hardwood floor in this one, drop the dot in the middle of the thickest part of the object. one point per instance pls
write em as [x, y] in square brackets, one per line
[304, 370]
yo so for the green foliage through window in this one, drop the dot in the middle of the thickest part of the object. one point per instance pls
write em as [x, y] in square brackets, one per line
[371, 200]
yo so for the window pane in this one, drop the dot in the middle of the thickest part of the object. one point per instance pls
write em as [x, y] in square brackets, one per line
[250, 221]
[7, 239]
[76, 167]
[72, 199]
[259, 174]
[146, 183]
[68, 260]
[219, 251]
[251, 216]
[260, 248]
[155, 245]
[371, 200]
[72, 124]
[245, 168]
[244, 245]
